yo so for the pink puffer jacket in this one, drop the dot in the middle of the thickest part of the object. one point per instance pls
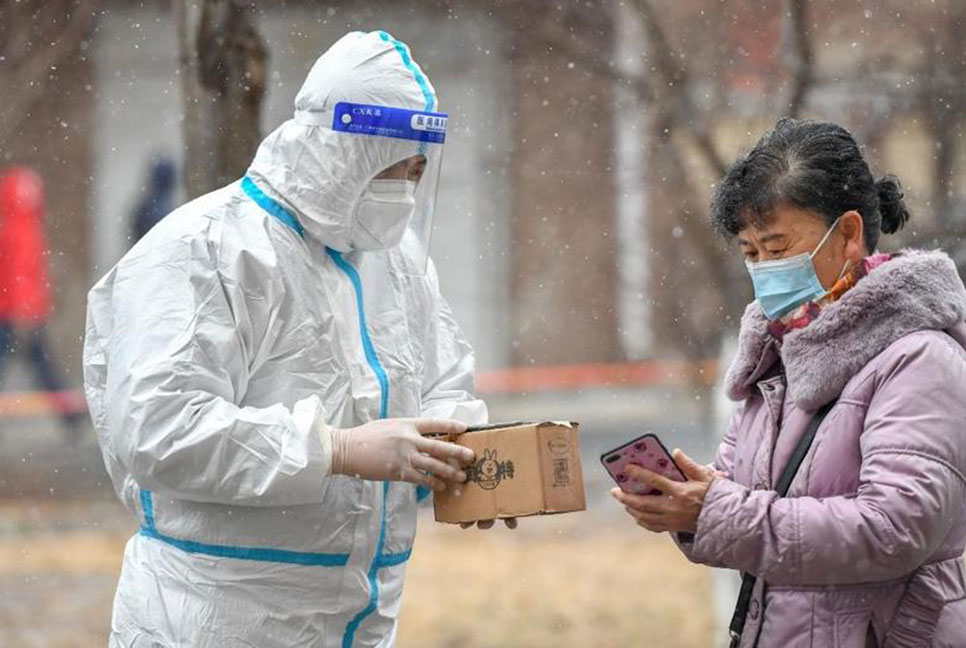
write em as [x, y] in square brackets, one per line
[867, 549]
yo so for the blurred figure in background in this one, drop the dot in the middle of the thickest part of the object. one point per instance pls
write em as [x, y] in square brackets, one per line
[25, 301]
[159, 199]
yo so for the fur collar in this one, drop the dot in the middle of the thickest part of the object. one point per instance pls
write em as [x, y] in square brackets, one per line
[912, 292]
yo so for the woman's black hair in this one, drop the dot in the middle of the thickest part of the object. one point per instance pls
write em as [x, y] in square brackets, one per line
[811, 165]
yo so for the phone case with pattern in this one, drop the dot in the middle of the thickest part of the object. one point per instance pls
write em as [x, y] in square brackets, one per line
[646, 451]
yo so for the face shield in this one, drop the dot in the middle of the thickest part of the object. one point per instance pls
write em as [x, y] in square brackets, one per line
[414, 145]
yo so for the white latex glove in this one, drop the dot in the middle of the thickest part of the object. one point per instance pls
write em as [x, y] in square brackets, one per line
[396, 450]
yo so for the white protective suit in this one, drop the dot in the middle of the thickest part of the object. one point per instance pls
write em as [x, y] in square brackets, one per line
[221, 345]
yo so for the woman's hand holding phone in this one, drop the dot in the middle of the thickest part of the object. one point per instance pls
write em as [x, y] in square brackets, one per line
[677, 507]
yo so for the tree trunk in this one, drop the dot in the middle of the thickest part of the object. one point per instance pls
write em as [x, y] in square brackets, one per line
[223, 72]
[562, 258]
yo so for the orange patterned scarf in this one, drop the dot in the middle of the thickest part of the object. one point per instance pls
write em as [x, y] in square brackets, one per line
[807, 312]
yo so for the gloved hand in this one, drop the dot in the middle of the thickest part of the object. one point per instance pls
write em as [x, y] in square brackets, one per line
[396, 450]
[511, 523]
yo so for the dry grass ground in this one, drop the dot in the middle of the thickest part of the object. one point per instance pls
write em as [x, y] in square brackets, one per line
[576, 580]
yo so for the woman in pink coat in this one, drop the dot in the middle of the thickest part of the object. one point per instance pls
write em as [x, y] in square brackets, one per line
[866, 549]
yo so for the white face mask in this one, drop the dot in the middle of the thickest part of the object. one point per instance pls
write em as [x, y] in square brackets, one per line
[382, 214]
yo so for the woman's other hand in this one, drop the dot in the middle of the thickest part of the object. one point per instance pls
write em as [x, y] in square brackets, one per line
[678, 506]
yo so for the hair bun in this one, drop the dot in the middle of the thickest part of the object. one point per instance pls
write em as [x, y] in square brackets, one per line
[894, 212]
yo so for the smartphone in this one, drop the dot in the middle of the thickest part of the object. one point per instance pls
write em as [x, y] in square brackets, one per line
[645, 451]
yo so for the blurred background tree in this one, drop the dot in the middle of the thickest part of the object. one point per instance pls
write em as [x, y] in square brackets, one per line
[223, 74]
[36, 38]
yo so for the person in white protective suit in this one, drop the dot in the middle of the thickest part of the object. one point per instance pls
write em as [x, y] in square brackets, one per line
[261, 369]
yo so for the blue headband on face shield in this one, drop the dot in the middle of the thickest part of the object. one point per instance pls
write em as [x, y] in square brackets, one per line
[784, 284]
[386, 121]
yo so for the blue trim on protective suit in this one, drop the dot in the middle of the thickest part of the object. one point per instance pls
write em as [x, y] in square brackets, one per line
[370, 350]
[350, 630]
[264, 554]
[391, 560]
[271, 206]
[373, 359]
[252, 553]
[407, 60]
[380, 559]
[148, 507]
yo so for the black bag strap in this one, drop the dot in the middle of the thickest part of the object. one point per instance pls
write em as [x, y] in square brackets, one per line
[748, 581]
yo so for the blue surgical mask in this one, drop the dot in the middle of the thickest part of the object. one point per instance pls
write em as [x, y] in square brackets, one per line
[784, 284]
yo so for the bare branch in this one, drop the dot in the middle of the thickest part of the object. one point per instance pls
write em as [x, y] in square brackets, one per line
[567, 42]
[678, 110]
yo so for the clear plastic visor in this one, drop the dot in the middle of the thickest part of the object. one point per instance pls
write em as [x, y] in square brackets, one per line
[413, 151]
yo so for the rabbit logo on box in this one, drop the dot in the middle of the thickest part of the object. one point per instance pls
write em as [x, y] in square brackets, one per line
[488, 472]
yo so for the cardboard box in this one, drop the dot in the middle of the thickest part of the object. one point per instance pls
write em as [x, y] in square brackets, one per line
[521, 469]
